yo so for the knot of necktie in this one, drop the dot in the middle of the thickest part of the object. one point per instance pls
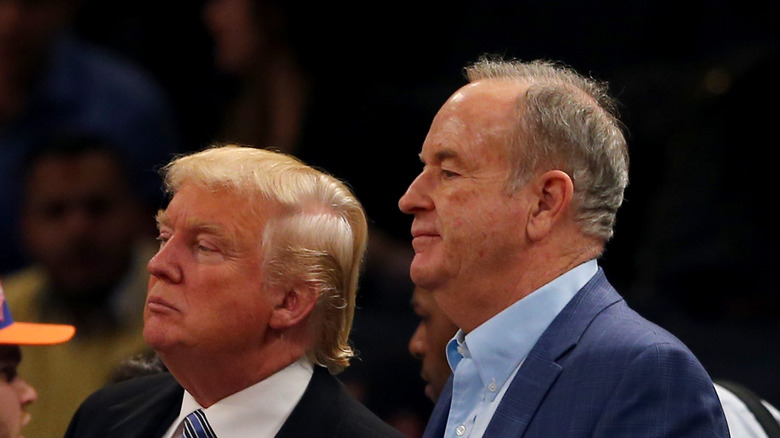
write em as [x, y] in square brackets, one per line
[197, 426]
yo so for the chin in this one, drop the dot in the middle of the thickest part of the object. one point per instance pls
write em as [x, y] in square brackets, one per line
[424, 277]
[156, 336]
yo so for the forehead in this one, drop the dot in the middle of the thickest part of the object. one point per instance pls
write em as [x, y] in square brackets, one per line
[92, 172]
[473, 120]
[195, 206]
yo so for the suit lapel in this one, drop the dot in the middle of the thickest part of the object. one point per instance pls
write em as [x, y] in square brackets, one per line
[540, 368]
[150, 413]
[319, 412]
[437, 423]
[525, 393]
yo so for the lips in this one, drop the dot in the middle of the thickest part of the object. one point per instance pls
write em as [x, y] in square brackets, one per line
[26, 417]
[422, 238]
[158, 305]
[422, 230]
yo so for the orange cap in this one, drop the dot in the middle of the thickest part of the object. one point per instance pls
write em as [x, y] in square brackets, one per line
[30, 333]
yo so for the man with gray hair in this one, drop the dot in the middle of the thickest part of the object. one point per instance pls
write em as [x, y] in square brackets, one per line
[249, 306]
[524, 171]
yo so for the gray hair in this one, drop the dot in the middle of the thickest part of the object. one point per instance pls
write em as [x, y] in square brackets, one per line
[567, 122]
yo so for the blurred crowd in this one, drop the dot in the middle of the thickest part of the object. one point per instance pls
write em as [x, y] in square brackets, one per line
[94, 96]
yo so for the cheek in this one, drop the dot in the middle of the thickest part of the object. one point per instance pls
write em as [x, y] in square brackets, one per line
[9, 402]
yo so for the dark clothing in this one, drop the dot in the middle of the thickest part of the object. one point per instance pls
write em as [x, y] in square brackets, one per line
[147, 406]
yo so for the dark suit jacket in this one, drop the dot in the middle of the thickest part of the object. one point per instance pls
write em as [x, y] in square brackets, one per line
[601, 370]
[147, 406]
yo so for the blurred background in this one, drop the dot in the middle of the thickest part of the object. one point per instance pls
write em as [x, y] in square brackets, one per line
[352, 88]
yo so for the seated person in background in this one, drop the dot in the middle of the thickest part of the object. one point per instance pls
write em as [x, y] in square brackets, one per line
[90, 240]
[52, 81]
[249, 306]
[429, 343]
[15, 393]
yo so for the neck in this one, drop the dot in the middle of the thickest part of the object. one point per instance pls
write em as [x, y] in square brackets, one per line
[470, 304]
[211, 376]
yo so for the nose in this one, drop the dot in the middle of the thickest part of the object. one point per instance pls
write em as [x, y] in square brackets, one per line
[417, 342]
[416, 197]
[77, 222]
[164, 265]
[26, 393]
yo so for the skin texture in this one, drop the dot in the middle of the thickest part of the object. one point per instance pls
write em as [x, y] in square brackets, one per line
[478, 247]
[459, 202]
[15, 394]
[207, 297]
[429, 341]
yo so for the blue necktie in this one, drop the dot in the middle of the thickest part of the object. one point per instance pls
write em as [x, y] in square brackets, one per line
[196, 426]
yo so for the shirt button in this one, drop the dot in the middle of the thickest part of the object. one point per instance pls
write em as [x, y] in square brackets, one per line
[460, 430]
[493, 387]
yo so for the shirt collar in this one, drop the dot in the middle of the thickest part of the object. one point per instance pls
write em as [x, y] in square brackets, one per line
[259, 410]
[500, 344]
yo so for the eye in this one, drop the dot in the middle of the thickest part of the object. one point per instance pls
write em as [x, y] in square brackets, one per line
[204, 247]
[448, 174]
[207, 246]
[423, 317]
[163, 239]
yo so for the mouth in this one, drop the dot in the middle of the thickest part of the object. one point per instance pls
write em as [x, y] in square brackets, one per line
[422, 240]
[419, 233]
[157, 304]
[26, 417]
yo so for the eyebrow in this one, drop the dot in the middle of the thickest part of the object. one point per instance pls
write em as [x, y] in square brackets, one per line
[161, 218]
[441, 155]
[197, 226]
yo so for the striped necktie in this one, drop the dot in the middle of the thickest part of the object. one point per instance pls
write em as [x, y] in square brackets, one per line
[197, 426]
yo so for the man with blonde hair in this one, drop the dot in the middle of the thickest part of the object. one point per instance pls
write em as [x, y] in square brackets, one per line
[524, 171]
[249, 306]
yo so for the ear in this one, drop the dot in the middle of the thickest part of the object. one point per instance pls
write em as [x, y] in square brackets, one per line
[296, 304]
[552, 195]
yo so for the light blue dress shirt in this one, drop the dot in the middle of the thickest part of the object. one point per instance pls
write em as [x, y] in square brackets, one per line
[485, 360]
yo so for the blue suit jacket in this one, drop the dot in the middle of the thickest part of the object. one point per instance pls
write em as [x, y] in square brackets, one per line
[601, 370]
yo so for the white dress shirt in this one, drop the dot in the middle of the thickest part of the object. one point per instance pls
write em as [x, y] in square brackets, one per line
[258, 411]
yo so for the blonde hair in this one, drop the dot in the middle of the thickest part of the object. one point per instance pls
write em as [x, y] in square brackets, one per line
[318, 238]
[565, 121]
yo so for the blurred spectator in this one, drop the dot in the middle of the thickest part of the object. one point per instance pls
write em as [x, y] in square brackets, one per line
[145, 364]
[429, 341]
[252, 44]
[52, 81]
[86, 230]
[16, 394]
